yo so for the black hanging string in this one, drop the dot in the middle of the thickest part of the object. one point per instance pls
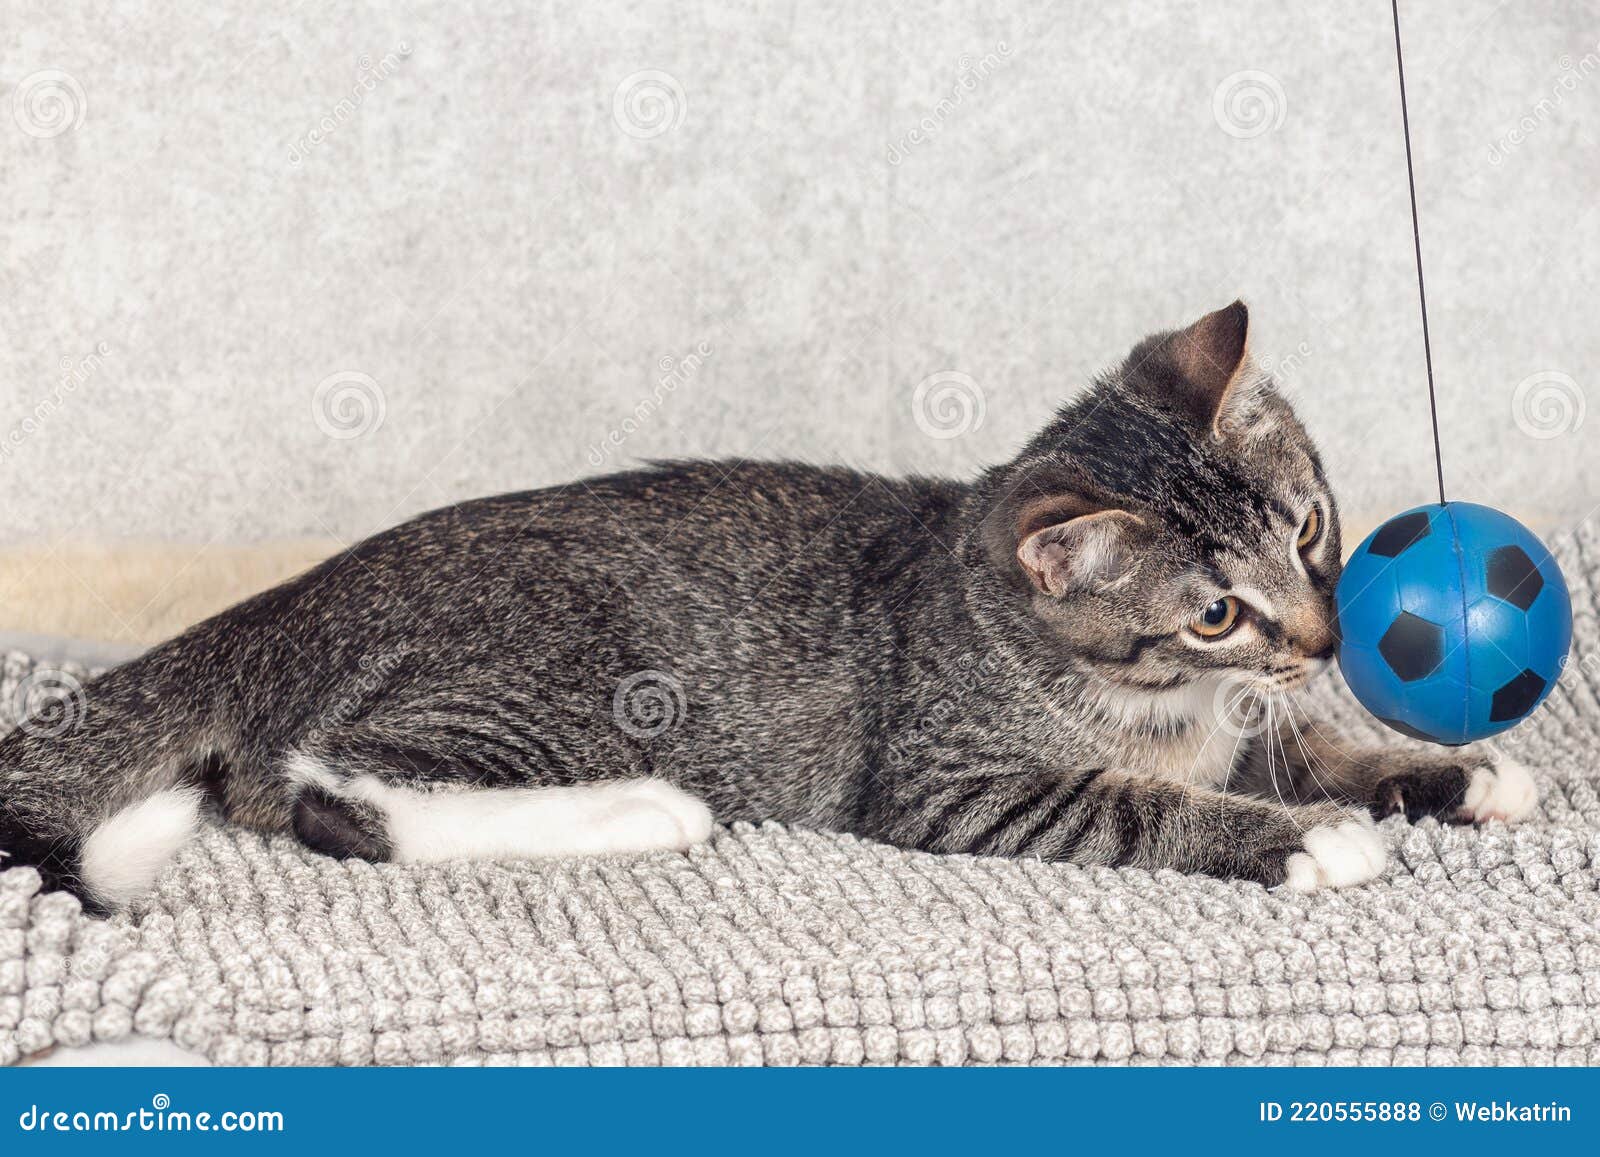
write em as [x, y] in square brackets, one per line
[1416, 237]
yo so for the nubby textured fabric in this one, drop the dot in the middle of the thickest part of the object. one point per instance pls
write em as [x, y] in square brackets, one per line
[771, 946]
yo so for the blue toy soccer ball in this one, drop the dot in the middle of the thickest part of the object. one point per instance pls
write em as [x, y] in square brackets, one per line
[1453, 622]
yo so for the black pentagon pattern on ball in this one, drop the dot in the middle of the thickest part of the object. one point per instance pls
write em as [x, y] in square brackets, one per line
[1517, 697]
[1514, 576]
[1412, 646]
[1397, 534]
[1405, 728]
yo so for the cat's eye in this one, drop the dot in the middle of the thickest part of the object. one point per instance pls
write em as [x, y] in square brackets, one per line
[1217, 619]
[1310, 529]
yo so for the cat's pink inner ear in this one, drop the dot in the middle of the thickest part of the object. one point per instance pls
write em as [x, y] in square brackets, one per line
[1079, 553]
[1211, 357]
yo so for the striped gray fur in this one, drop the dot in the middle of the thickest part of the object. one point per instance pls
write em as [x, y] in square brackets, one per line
[1005, 665]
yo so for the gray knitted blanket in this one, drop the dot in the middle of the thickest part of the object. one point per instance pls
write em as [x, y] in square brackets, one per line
[771, 946]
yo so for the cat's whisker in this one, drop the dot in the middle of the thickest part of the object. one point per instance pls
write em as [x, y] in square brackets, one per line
[1222, 720]
[1311, 761]
[1294, 728]
[1272, 773]
[1316, 767]
[1343, 749]
[1344, 775]
[1233, 757]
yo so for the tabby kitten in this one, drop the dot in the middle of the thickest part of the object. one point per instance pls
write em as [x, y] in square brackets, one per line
[1031, 664]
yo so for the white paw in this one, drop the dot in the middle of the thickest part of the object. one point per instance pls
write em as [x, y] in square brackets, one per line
[652, 814]
[1505, 791]
[1337, 856]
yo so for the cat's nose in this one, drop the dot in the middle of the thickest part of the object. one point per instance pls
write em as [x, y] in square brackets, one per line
[1311, 633]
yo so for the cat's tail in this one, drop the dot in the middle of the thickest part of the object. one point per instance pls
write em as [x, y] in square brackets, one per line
[101, 790]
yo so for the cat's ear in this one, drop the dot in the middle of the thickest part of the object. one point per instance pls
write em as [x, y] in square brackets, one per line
[1219, 384]
[1069, 545]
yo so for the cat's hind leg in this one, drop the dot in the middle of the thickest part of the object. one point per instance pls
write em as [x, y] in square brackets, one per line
[338, 826]
[379, 801]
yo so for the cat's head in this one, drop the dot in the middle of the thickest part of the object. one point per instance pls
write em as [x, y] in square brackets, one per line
[1174, 523]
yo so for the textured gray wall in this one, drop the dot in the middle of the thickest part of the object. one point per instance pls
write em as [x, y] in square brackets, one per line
[236, 239]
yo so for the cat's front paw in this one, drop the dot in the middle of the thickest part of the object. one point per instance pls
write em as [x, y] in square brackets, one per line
[1337, 855]
[1502, 790]
[1469, 789]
